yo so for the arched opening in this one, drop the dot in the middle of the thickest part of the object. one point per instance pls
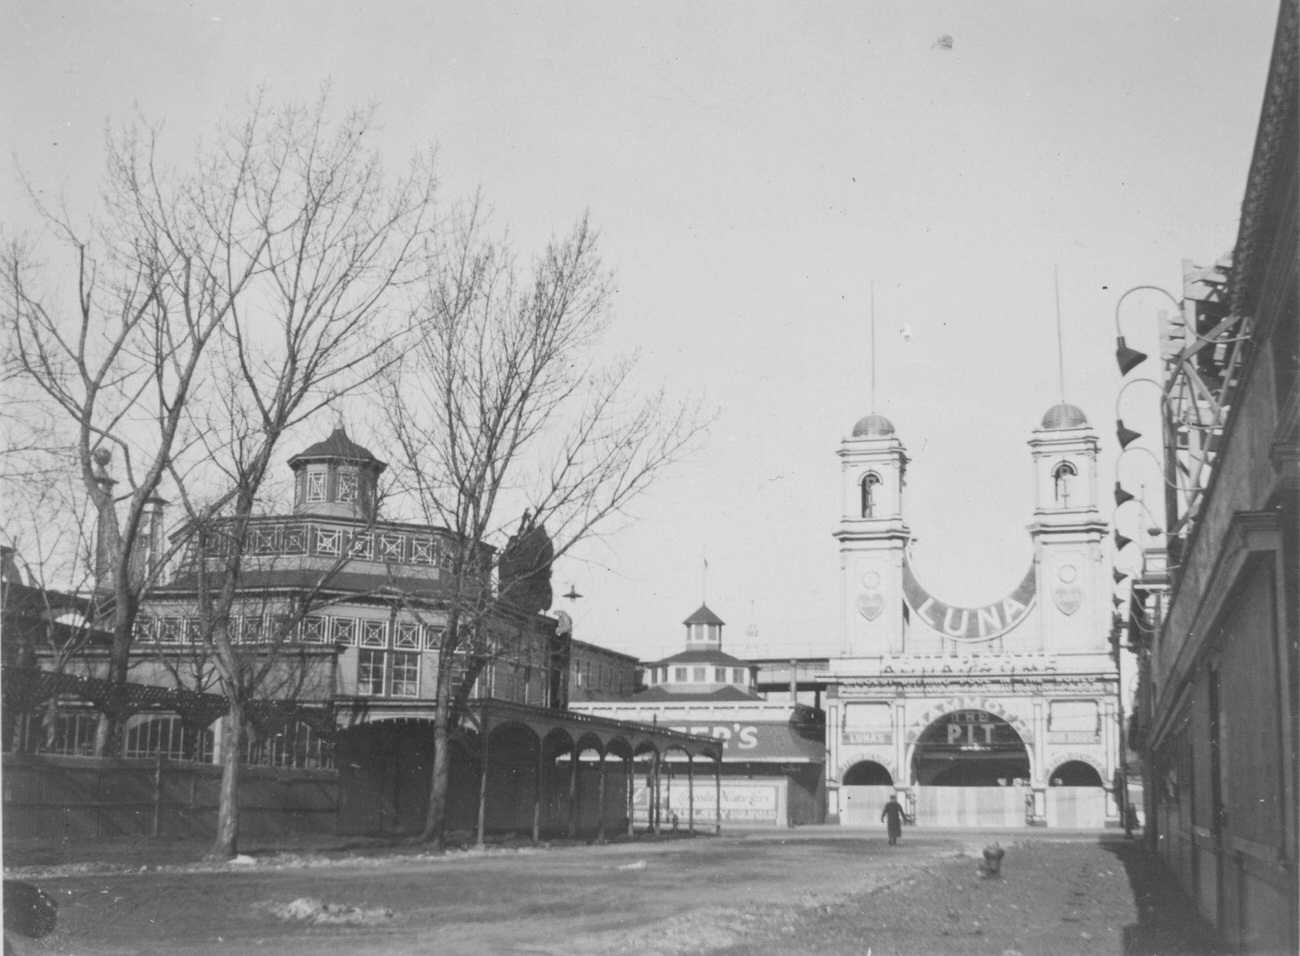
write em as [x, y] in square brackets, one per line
[867, 773]
[1063, 476]
[970, 748]
[1075, 773]
[870, 481]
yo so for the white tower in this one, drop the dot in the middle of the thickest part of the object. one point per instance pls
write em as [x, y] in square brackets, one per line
[1067, 533]
[872, 537]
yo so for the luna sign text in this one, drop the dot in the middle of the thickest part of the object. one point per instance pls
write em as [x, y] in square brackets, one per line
[972, 624]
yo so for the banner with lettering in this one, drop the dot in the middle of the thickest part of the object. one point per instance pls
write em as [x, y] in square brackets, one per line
[970, 624]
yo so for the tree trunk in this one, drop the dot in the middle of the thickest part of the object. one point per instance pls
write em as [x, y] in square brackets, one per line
[232, 745]
[435, 824]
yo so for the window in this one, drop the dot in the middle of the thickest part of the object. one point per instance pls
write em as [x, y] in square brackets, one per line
[313, 630]
[869, 483]
[295, 745]
[374, 633]
[422, 550]
[347, 485]
[345, 631]
[391, 546]
[74, 735]
[329, 541]
[316, 484]
[1063, 483]
[719, 675]
[167, 737]
[263, 541]
[362, 546]
[738, 676]
[294, 540]
[407, 637]
[406, 674]
[679, 675]
[697, 674]
[370, 673]
[432, 638]
[144, 631]
[170, 630]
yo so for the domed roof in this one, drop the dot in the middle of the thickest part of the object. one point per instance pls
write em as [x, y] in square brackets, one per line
[1064, 416]
[873, 426]
[339, 446]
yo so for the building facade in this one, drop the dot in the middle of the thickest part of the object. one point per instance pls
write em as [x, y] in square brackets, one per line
[1218, 628]
[1004, 714]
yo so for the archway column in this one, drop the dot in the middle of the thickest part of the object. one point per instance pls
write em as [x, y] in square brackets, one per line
[629, 769]
[690, 793]
[537, 790]
[573, 793]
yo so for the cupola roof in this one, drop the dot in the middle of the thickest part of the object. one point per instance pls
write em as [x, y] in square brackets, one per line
[704, 616]
[339, 447]
[1064, 416]
[873, 426]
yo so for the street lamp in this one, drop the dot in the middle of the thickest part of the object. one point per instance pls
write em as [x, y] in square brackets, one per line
[1130, 358]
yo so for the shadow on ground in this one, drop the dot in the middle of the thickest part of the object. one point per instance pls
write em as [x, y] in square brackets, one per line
[1168, 921]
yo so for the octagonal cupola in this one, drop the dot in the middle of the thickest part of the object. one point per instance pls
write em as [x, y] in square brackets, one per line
[703, 630]
[337, 477]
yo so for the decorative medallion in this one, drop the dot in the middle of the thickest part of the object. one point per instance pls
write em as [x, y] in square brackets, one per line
[1068, 573]
[1068, 599]
[870, 604]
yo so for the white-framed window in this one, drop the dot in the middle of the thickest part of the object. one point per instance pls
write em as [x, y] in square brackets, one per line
[347, 486]
[329, 541]
[1063, 476]
[193, 631]
[370, 673]
[170, 630]
[697, 674]
[362, 546]
[144, 629]
[391, 546]
[374, 633]
[719, 675]
[263, 540]
[407, 637]
[345, 631]
[314, 630]
[405, 680]
[167, 737]
[738, 676]
[293, 540]
[679, 675]
[422, 550]
[316, 484]
[432, 638]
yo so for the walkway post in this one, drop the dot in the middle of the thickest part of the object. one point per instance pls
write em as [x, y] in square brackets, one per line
[717, 791]
[668, 796]
[600, 812]
[482, 785]
[654, 790]
[573, 794]
[537, 790]
[629, 766]
[690, 793]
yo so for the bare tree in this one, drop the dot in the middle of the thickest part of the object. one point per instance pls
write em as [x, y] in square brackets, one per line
[500, 406]
[219, 306]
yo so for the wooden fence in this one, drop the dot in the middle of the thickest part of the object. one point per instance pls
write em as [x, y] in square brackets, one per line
[79, 798]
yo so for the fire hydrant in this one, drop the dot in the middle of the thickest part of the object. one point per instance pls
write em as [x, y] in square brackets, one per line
[993, 860]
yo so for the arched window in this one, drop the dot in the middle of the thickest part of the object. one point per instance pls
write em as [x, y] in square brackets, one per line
[869, 483]
[1063, 483]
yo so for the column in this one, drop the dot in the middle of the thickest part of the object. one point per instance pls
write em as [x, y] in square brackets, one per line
[537, 790]
[600, 812]
[483, 783]
[573, 794]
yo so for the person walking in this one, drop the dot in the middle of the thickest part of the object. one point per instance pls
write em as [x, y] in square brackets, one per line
[894, 812]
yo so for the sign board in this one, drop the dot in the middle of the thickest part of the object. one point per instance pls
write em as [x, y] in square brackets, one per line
[744, 802]
[970, 624]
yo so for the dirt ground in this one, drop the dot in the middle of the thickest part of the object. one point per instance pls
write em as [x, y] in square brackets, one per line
[821, 890]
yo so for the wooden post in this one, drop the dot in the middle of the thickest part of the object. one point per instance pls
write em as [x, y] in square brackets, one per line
[483, 785]
[690, 793]
[600, 813]
[573, 794]
[717, 793]
[158, 796]
[629, 765]
[668, 797]
[658, 812]
[537, 790]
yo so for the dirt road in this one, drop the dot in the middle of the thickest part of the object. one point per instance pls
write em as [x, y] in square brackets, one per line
[802, 893]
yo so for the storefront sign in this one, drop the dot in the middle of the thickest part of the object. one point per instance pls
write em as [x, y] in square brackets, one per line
[969, 624]
[747, 802]
[758, 742]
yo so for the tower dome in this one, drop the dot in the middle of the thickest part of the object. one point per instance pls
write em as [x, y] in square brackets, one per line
[873, 426]
[336, 477]
[1064, 415]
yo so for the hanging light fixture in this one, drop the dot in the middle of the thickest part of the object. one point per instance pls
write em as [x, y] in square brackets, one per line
[1121, 496]
[1127, 358]
[1121, 542]
[1126, 436]
[573, 594]
[1119, 575]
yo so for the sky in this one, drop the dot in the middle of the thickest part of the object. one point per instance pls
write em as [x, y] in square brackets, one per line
[757, 171]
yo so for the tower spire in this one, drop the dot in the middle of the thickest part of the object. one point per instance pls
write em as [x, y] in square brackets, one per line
[873, 346]
[1060, 347]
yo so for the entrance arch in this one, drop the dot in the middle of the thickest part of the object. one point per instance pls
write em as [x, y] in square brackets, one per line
[971, 768]
[1076, 795]
[864, 789]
